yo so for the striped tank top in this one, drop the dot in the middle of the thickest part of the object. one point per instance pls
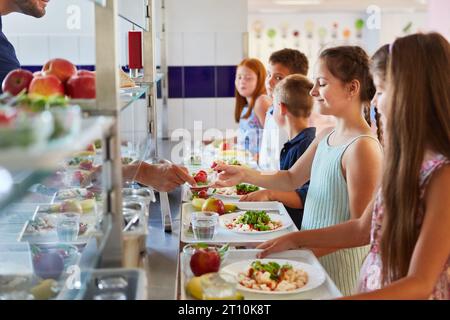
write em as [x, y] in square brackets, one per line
[327, 204]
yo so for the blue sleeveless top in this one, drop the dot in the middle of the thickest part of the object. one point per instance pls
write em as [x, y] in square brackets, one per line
[327, 204]
[250, 132]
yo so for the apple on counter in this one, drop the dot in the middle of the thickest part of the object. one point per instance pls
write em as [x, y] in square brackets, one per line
[81, 85]
[206, 259]
[17, 81]
[61, 68]
[47, 86]
[214, 205]
[58, 77]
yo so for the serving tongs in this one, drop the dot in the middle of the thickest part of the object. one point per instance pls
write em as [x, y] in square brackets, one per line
[132, 222]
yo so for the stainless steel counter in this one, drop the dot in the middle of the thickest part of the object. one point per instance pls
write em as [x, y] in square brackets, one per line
[162, 248]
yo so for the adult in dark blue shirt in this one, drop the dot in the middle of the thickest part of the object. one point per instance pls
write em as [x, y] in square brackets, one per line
[8, 58]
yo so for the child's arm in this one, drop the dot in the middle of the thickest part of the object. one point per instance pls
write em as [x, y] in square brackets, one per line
[431, 251]
[362, 170]
[285, 180]
[288, 198]
[262, 104]
[353, 233]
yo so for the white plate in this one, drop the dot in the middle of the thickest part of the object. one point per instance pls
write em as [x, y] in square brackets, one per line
[315, 275]
[232, 196]
[228, 218]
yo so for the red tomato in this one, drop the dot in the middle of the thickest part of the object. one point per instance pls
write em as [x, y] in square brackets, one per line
[201, 176]
[203, 194]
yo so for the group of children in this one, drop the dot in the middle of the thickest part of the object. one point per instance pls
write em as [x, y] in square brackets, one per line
[376, 209]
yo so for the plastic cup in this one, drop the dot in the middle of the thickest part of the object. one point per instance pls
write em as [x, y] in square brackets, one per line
[219, 286]
[68, 226]
[204, 225]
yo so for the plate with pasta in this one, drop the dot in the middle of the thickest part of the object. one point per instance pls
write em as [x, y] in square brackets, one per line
[275, 276]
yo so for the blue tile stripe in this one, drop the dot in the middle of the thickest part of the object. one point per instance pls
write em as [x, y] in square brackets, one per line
[201, 81]
[188, 81]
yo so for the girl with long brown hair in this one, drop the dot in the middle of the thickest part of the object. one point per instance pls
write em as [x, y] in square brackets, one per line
[408, 223]
[251, 103]
[342, 163]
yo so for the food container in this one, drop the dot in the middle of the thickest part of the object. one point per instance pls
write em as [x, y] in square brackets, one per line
[116, 284]
[16, 270]
[134, 237]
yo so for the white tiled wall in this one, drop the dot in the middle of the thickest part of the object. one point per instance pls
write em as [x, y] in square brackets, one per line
[175, 114]
[229, 48]
[64, 47]
[175, 49]
[203, 110]
[33, 49]
[86, 47]
[225, 114]
[199, 48]
[204, 33]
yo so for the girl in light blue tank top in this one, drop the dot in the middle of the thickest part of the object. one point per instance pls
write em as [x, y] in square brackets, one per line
[327, 204]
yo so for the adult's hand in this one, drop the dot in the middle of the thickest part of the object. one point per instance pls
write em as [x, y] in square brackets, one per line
[164, 176]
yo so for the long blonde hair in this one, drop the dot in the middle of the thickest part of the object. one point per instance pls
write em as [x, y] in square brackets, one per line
[418, 118]
[257, 67]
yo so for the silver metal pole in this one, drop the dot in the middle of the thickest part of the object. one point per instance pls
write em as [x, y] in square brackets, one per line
[150, 73]
[107, 88]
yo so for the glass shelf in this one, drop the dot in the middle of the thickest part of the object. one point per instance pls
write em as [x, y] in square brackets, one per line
[51, 155]
[21, 183]
[129, 95]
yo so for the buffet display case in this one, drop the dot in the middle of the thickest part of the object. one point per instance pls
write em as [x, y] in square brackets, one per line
[70, 227]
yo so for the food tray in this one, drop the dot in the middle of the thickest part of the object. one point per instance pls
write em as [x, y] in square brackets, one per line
[91, 219]
[226, 236]
[327, 290]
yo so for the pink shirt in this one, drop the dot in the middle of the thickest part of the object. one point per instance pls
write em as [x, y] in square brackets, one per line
[370, 276]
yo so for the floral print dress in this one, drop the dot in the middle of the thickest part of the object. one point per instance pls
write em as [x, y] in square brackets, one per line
[370, 276]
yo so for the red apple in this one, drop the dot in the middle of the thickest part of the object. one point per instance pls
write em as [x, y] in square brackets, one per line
[91, 147]
[61, 68]
[48, 85]
[214, 205]
[81, 86]
[205, 261]
[86, 73]
[38, 74]
[16, 81]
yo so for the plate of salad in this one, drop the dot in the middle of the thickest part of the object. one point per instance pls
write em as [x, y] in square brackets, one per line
[237, 191]
[254, 222]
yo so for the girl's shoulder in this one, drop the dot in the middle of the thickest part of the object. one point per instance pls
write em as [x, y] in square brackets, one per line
[431, 168]
[324, 133]
[263, 100]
